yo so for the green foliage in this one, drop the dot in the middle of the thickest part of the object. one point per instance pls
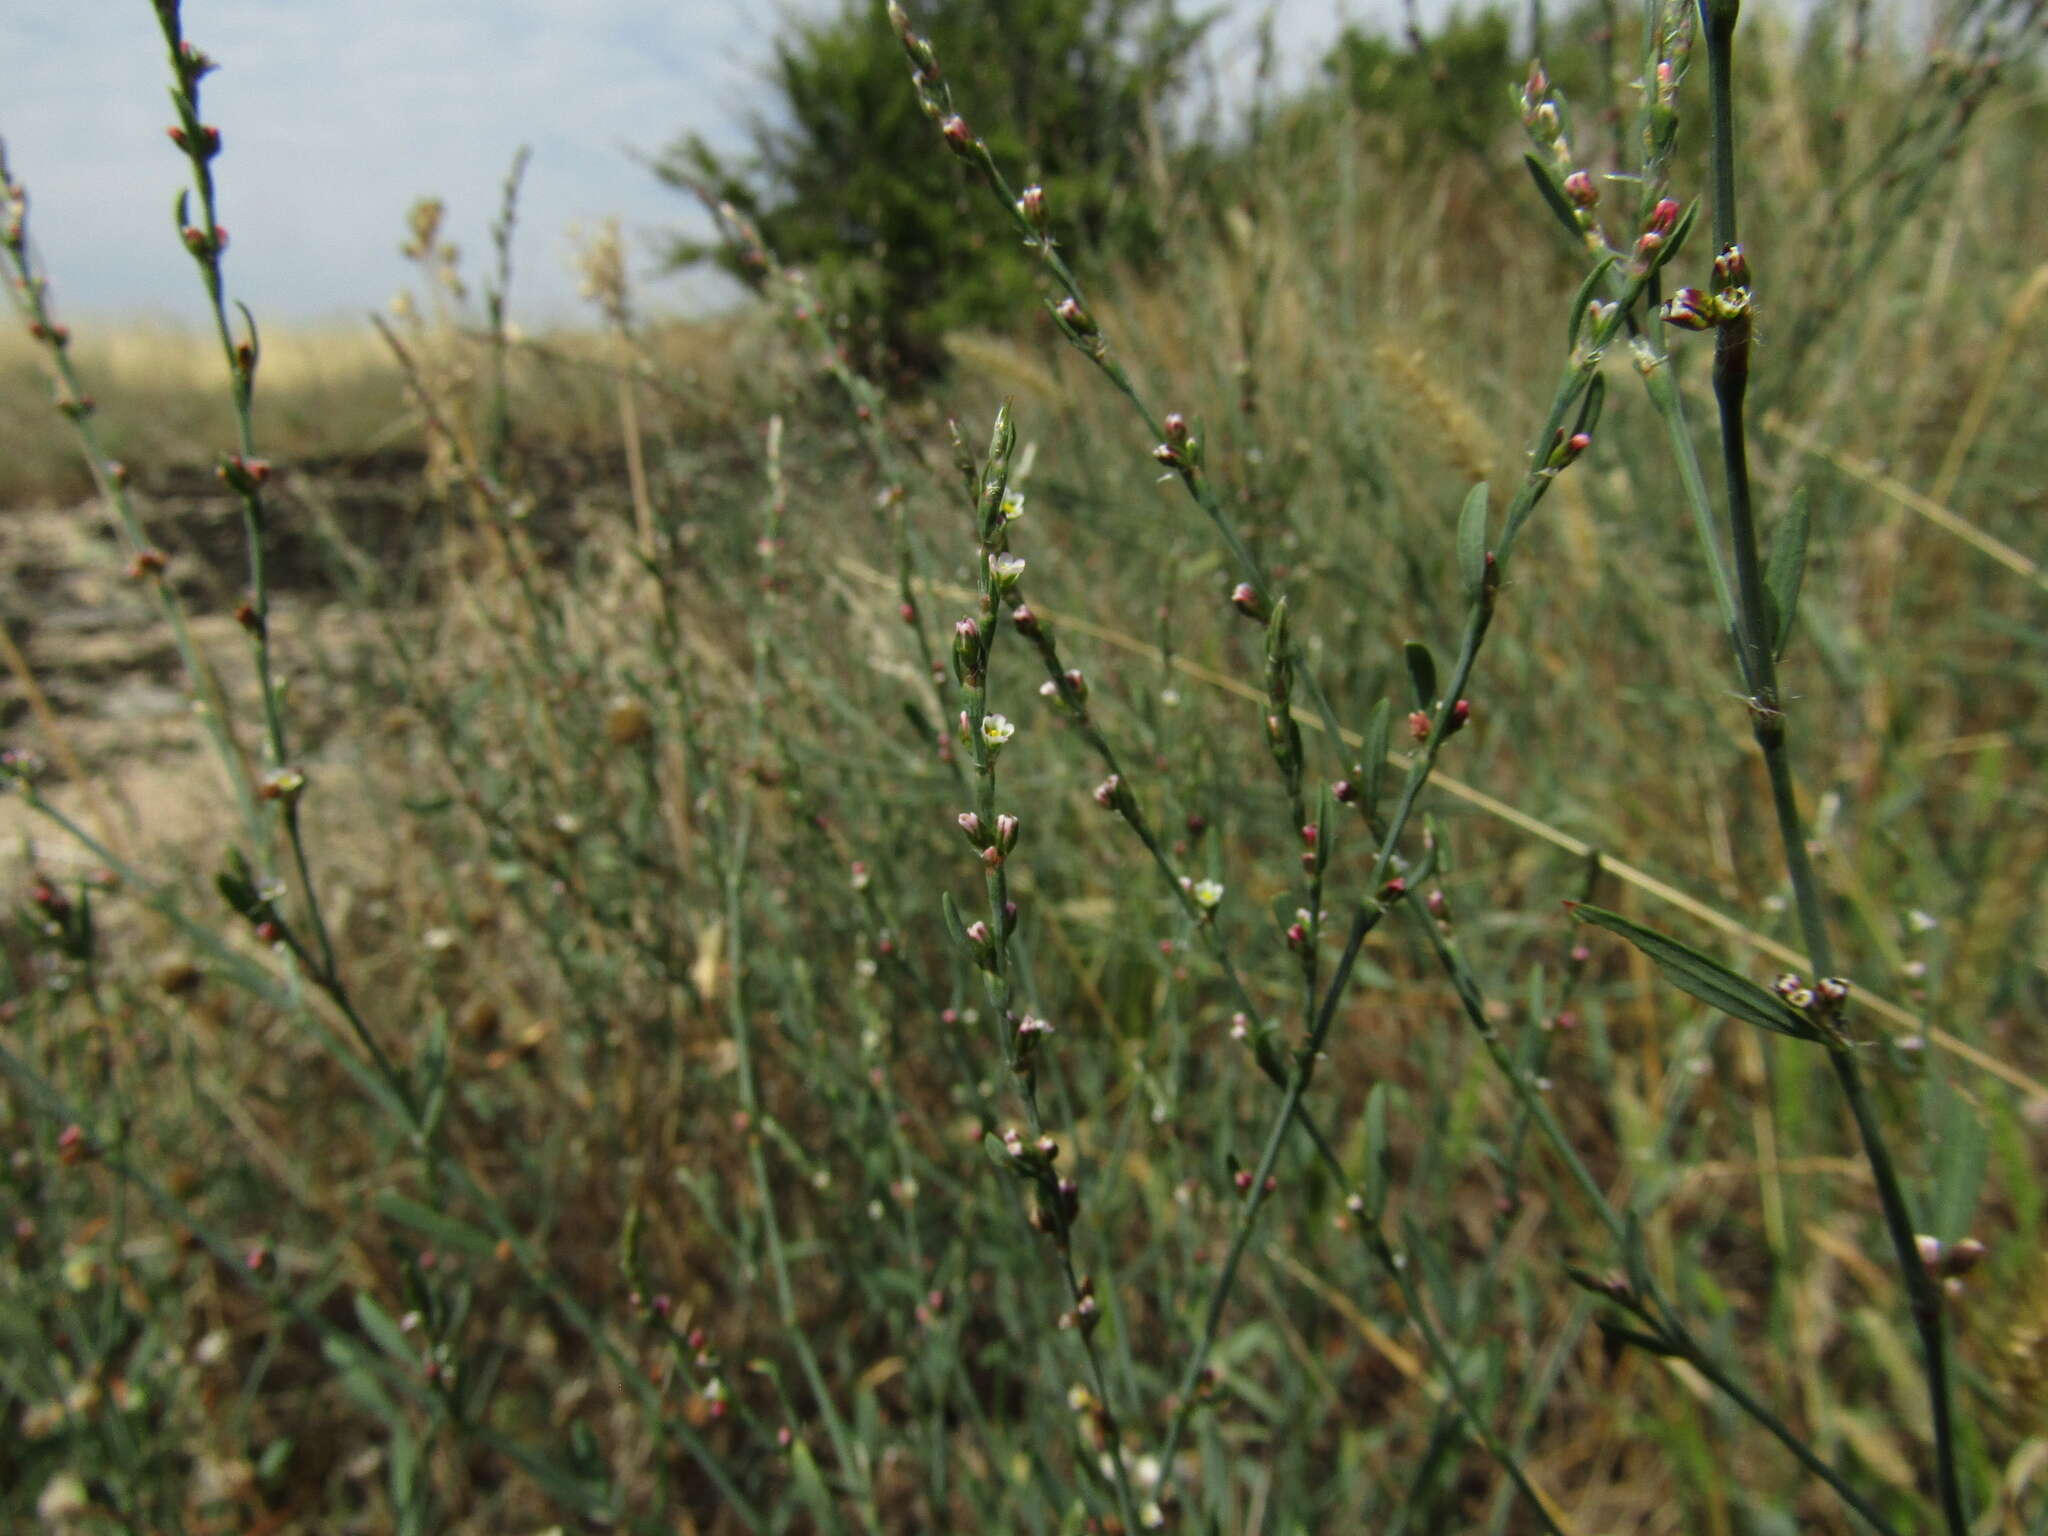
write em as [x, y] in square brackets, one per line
[1441, 91]
[625, 1162]
[842, 180]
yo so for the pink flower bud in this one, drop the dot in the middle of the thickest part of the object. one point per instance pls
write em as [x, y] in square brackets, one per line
[1074, 317]
[1731, 268]
[1689, 309]
[1579, 187]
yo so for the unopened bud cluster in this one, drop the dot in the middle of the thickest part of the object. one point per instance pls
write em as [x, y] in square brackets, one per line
[1691, 309]
[1456, 718]
[1949, 1262]
[1179, 449]
[1283, 731]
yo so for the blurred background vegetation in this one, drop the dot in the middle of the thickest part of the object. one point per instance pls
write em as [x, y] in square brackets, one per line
[625, 791]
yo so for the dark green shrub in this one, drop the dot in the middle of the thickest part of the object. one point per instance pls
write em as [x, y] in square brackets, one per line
[841, 180]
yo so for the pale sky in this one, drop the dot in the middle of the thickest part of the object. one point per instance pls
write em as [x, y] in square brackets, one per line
[337, 114]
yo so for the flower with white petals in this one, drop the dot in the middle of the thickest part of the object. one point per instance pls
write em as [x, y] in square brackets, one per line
[1208, 894]
[996, 730]
[1013, 505]
[1005, 571]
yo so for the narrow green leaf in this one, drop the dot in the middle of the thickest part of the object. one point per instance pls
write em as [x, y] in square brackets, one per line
[1437, 840]
[1421, 674]
[1553, 195]
[564, 1485]
[1589, 408]
[954, 925]
[1962, 1148]
[998, 1154]
[1704, 977]
[1472, 540]
[276, 1456]
[1683, 229]
[1583, 299]
[1377, 1171]
[810, 1484]
[442, 1228]
[1785, 571]
[1375, 762]
[383, 1330]
[354, 1378]
[237, 884]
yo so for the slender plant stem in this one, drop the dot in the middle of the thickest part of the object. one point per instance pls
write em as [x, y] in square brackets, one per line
[1756, 651]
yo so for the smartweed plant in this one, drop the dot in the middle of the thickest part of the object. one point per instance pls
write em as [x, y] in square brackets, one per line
[844, 1037]
[1618, 296]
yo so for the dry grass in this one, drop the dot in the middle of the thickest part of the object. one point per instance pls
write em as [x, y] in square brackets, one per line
[517, 867]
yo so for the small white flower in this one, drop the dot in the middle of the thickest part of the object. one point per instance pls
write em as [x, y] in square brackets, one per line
[1013, 507]
[1006, 568]
[1170, 697]
[996, 729]
[1922, 921]
[1207, 893]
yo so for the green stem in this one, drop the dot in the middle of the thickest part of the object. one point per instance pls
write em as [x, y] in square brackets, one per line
[1759, 666]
